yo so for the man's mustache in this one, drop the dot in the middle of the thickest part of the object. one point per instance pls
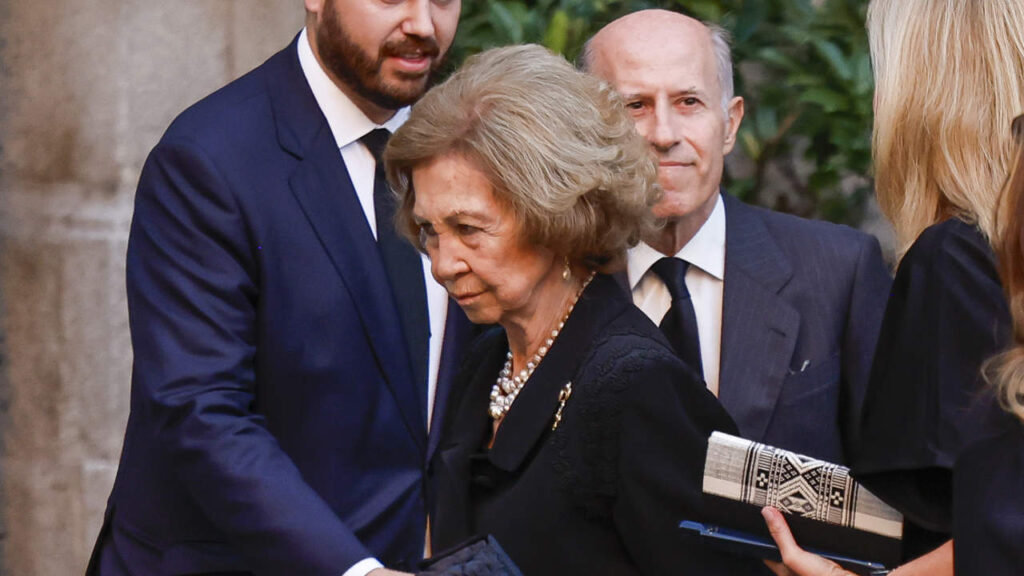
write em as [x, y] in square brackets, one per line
[397, 48]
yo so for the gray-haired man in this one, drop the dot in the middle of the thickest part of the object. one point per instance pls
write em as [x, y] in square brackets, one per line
[781, 314]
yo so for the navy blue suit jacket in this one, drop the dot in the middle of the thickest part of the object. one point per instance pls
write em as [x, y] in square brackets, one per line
[275, 426]
[802, 307]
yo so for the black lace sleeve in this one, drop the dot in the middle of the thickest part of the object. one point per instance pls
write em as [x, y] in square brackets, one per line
[635, 453]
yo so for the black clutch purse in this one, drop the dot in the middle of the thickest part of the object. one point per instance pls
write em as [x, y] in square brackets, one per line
[478, 556]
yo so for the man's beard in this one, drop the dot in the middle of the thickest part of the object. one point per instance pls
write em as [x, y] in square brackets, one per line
[358, 70]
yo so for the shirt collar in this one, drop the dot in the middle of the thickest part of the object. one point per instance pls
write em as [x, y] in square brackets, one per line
[706, 250]
[346, 120]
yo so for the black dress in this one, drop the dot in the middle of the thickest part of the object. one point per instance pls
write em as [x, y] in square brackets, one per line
[945, 317]
[605, 491]
[988, 497]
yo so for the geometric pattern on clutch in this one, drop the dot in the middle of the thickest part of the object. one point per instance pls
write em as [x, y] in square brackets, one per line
[763, 475]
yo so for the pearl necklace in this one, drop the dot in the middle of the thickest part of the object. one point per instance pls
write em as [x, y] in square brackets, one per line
[507, 388]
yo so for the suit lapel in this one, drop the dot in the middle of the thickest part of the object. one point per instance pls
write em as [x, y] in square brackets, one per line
[323, 189]
[458, 333]
[622, 279]
[533, 411]
[464, 437]
[759, 328]
[531, 414]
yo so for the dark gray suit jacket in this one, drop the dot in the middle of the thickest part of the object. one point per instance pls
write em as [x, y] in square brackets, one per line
[802, 306]
[801, 313]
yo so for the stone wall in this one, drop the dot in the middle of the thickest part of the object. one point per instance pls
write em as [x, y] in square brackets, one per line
[86, 89]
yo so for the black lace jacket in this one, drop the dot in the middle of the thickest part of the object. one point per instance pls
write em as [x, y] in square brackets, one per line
[604, 491]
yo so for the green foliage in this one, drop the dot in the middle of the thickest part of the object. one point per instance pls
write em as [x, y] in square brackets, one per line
[803, 68]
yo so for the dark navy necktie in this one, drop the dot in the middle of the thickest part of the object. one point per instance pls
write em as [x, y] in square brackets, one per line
[402, 264]
[680, 322]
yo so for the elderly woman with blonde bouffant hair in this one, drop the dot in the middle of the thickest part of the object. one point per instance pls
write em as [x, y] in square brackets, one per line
[575, 436]
[948, 82]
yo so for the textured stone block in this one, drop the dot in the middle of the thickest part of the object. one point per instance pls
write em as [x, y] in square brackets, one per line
[176, 52]
[62, 59]
[38, 488]
[94, 363]
[258, 29]
[86, 89]
[63, 265]
[42, 508]
[31, 278]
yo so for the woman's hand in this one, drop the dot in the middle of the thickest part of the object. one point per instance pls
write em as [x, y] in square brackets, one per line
[795, 560]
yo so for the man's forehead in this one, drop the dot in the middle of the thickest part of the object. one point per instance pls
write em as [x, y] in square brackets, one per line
[650, 29]
[643, 66]
[623, 46]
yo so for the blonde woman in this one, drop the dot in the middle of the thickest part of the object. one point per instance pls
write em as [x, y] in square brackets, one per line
[988, 476]
[948, 83]
[988, 479]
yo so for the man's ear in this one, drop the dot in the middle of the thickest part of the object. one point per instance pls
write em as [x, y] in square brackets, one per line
[734, 115]
[314, 6]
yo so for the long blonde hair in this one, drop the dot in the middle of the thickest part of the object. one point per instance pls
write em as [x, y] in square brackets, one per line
[1006, 371]
[948, 81]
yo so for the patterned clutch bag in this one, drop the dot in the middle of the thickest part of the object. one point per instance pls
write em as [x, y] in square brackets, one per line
[767, 476]
[827, 508]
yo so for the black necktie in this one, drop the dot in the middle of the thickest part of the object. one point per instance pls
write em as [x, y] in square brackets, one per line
[403, 266]
[680, 322]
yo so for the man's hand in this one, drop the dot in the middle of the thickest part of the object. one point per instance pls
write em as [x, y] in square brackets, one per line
[386, 572]
[795, 560]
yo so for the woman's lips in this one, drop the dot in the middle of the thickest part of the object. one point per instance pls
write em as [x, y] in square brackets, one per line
[465, 298]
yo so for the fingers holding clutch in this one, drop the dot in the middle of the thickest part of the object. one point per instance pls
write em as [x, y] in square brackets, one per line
[795, 560]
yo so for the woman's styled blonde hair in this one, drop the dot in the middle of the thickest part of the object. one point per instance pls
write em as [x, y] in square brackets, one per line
[1006, 371]
[948, 81]
[556, 145]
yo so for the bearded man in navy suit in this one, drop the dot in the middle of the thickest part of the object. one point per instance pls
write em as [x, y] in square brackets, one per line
[287, 371]
[786, 310]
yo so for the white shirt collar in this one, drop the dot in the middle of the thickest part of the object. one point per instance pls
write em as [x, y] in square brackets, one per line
[706, 250]
[346, 120]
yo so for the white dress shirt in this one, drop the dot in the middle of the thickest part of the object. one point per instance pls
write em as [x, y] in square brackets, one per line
[348, 124]
[704, 279]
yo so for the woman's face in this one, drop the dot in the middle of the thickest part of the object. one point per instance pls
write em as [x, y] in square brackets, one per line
[476, 246]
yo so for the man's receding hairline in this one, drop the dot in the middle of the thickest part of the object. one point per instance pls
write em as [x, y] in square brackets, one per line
[588, 59]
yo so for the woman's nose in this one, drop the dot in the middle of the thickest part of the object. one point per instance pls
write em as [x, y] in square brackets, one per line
[446, 261]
